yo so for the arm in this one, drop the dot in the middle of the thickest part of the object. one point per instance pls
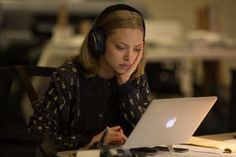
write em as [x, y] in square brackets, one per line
[55, 114]
[134, 100]
[134, 95]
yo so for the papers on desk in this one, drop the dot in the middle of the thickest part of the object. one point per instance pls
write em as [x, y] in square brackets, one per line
[219, 146]
[88, 153]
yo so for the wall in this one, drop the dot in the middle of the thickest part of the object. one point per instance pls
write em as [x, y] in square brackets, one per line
[185, 12]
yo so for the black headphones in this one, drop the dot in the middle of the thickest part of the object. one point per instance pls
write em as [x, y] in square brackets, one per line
[97, 38]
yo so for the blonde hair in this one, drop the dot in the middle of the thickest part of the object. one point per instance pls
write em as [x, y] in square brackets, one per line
[108, 23]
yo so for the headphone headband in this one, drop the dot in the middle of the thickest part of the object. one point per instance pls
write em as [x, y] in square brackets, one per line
[117, 7]
[96, 37]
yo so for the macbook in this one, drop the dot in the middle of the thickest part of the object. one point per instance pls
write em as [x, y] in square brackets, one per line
[169, 121]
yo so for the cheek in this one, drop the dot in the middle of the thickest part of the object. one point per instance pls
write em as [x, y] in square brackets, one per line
[113, 55]
[110, 57]
[134, 56]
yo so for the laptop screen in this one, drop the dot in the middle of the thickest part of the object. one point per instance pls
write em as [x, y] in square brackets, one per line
[169, 121]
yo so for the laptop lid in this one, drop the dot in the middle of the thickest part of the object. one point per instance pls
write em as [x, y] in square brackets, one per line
[169, 121]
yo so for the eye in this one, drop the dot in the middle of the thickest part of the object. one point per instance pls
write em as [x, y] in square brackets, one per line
[119, 47]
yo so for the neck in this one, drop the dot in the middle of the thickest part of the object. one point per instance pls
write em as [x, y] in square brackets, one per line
[104, 70]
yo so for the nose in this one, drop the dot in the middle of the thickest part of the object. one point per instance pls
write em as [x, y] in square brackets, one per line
[128, 55]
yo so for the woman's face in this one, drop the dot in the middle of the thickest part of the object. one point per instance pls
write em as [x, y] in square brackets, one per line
[122, 48]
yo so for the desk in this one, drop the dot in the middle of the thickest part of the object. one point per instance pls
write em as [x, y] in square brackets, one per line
[190, 58]
[206, 54]
[166, 154]
[221, 137]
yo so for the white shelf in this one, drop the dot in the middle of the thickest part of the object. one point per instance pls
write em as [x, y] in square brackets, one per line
[154, 55]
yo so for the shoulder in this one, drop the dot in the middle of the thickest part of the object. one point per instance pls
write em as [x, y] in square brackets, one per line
[141, 80]
[69, 69]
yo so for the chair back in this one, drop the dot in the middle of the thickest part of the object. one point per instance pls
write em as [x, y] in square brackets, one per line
[26, 72]
[11, 135]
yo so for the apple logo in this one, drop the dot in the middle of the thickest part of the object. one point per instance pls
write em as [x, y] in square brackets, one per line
[171, 122]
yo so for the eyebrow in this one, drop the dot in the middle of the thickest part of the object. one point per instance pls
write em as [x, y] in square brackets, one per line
[128, 45]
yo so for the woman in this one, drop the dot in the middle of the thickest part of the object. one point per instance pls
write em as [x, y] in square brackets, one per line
[104, 87]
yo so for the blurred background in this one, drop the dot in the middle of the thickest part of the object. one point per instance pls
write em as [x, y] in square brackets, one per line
[190, 50]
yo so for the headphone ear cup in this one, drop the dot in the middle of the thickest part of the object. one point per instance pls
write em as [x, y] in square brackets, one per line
[96, 41]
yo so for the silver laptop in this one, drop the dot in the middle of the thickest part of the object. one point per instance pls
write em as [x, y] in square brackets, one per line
[169, 121]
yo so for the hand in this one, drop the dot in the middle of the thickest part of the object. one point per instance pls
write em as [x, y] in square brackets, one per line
[122, 78]
[115, 136]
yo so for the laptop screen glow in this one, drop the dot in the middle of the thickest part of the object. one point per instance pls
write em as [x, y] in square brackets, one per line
[169, 121]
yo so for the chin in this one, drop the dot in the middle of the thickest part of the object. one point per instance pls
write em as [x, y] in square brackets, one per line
[120, 71]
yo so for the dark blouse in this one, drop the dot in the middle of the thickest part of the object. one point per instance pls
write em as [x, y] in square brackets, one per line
[75, 107]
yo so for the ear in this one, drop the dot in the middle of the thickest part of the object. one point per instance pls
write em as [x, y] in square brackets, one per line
[96, 42]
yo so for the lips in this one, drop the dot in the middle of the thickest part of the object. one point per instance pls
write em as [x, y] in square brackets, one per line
[125, 66]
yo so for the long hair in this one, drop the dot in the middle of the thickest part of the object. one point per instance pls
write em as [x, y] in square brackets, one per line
[108, 23]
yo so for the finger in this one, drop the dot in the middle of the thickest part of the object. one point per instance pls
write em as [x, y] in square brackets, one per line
[115, 128]
[118, 135]
[140, 55]
[121, 131]
[117, 142]
[136, 62]
[116, 138]
[111, 134]
[138, 58]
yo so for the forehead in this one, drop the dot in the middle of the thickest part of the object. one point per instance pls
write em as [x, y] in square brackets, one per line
[126, 35]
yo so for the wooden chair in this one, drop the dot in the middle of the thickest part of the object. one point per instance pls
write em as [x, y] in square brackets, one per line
[19, 139]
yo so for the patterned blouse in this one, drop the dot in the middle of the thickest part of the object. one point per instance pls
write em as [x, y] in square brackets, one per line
[75, 107]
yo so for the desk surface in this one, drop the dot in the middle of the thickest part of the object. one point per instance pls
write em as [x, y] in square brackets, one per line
[162, 54]
[221, 137]
[191, 153]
